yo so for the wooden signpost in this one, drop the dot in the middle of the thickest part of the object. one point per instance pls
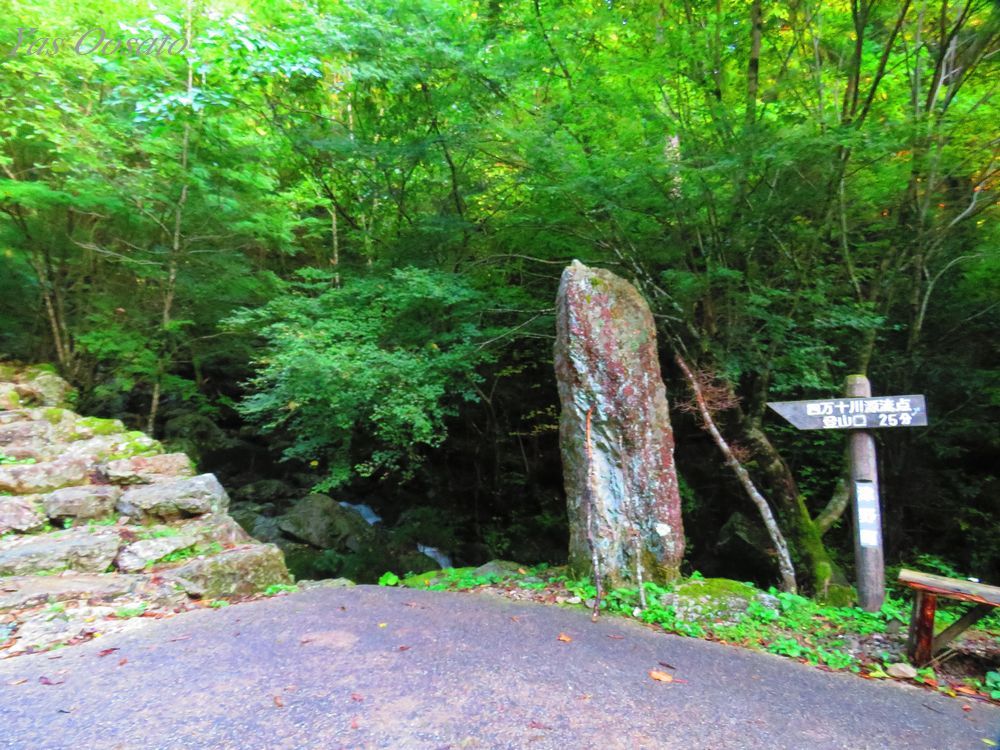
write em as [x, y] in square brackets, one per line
[860, 412]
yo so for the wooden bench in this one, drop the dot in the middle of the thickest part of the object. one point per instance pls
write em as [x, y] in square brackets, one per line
[922, 644]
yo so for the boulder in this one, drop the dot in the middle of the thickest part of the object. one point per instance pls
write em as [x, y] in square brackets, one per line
[138, 555]
[176, 499]
[146, 469]
[85, 502]
[714, 601]
[215, 527]
[20, 592]
[619, 475]
[52, 630]
[742, 546]
[27, 433]
[46, 387]
[27, 479]
[901, 671]
[235, 572]
[75, 549]
[20, 514]
[323, 522]
[501, 568]
[265, 529]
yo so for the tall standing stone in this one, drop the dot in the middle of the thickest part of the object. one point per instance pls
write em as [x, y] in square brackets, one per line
[606, 364]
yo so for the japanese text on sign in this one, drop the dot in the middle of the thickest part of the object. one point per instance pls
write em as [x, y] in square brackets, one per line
[862, 412]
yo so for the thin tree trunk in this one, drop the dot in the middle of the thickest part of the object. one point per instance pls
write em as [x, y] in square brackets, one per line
[784, 558]
[334, 246]
[834, 509]
[176, 245]
[753, 66]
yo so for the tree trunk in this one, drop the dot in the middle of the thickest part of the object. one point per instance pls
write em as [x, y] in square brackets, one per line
[813, 559]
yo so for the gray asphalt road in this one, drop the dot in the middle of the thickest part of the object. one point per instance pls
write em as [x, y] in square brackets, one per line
[375, 667]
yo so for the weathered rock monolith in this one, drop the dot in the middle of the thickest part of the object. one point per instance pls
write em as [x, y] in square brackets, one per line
[607, 365]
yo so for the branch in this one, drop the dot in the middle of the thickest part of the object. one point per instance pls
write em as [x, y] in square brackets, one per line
[835, 508]
[784, 559]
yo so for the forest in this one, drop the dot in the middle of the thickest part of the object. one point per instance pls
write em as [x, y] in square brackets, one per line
[317, 242]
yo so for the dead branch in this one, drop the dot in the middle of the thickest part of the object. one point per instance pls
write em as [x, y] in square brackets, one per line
[784, 559]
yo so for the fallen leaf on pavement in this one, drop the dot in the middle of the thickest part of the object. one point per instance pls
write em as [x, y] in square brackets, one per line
[564, 638]
[664, 664]
[278, 702]
[122, 662]
[357, 697]
[46, 681]
[18, 682]
[537, 725]
[661, 676]
[404, 648]
[616, 637]
[107, 651]
[383, 624]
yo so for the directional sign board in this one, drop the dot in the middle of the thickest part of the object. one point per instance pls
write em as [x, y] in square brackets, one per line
[854, 413]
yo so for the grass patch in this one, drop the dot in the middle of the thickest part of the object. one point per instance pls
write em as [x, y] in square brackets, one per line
[125, 613]
[279, 588]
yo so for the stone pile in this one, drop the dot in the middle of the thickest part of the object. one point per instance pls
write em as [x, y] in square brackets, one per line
[100, 529]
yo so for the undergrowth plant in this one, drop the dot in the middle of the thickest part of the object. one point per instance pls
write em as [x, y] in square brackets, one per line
[774, 621]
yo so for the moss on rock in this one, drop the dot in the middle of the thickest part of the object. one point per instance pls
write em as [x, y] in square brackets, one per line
[713, 600]
[88, 427]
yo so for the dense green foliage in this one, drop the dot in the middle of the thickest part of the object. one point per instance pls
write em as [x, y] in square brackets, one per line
[345, 221]
[384, 359]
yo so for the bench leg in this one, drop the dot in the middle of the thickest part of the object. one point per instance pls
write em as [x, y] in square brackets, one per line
[965, 622]
[920, 645]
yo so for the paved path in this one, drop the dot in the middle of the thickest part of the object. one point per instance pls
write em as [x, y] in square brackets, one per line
[375, 667]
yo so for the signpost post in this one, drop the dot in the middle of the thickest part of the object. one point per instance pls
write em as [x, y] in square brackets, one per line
[860, 412]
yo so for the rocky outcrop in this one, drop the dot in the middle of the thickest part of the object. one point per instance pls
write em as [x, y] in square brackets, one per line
[234, 572]
[177, 498]
[322, 522]
[621, 485]
[715, 601]
[100, 528]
